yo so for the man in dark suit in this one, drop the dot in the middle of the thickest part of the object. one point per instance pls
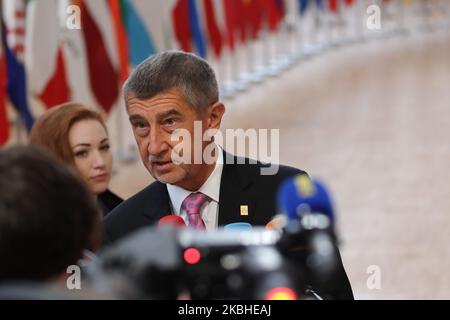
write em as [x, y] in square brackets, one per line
[245, 196]
[169, 97]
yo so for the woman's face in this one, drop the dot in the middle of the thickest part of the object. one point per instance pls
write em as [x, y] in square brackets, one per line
[92, 155]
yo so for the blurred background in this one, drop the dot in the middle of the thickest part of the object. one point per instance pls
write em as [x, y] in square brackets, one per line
[358, 89]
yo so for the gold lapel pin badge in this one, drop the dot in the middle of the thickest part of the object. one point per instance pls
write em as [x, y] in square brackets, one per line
[244, 210]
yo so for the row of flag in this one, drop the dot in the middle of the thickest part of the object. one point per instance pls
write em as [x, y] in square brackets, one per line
[45, 56]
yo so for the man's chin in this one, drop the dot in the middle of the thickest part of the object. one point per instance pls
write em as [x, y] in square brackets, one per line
[169, 175]
[168, 178]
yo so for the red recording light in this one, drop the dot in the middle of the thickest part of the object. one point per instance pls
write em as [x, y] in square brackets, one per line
[192, 256]
[281, 294]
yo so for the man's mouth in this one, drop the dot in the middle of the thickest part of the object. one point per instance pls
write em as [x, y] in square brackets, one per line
[162, 165]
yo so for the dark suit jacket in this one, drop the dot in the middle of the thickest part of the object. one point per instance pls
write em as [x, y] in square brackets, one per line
[241, 184]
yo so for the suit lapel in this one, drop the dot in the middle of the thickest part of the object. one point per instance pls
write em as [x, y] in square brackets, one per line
[236, 203]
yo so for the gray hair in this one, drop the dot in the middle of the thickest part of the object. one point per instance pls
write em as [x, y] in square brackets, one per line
[164, 71]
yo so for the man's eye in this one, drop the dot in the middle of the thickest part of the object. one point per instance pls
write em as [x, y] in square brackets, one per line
[139, 125]
[170, 122]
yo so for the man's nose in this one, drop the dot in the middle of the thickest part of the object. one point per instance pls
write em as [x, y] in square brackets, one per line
[158, 144]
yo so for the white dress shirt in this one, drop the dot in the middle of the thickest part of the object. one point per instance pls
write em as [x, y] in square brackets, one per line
[211, 188]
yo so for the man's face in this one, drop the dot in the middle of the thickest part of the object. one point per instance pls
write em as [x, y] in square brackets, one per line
[153, 121]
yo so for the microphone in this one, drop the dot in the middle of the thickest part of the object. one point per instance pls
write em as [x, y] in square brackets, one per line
[309, 233]
[238, 226]
[300, 198]
[172, 220]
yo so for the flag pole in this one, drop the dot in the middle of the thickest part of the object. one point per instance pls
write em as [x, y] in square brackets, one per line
[261, 67]
[243, 79]
[274, 65]
[256, 75]
[19, 126]
[233, 67]
[221, 73]
[267, 47]
[401, 17]
[311, 40]
[296, 38]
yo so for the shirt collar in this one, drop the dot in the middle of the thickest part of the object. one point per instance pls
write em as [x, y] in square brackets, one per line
[211, 187]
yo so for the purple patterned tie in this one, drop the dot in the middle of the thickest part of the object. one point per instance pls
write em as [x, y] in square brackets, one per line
[192, 205]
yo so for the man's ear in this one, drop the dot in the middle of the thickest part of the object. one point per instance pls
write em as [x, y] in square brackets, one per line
[215, 114]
